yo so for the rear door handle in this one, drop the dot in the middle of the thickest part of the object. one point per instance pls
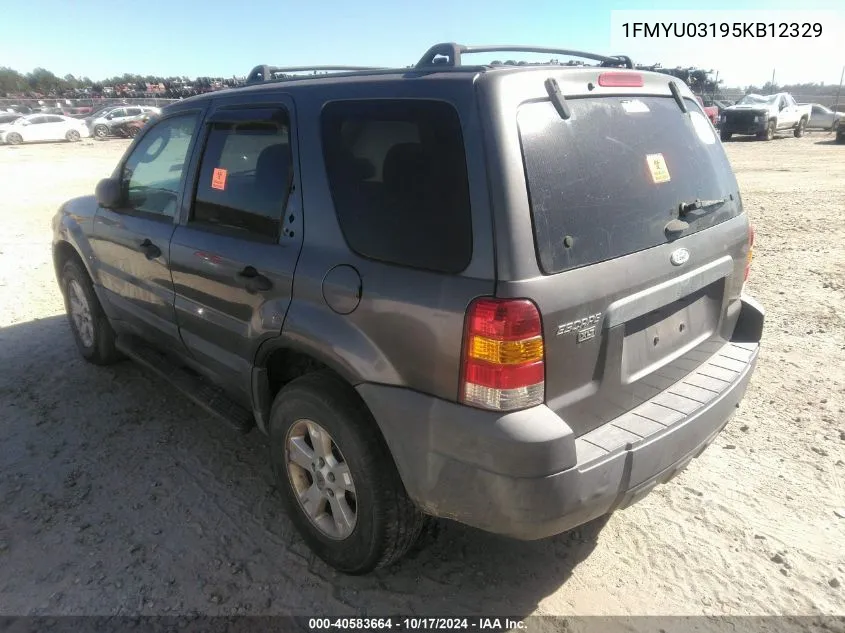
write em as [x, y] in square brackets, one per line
[150, 250]
[254, 281]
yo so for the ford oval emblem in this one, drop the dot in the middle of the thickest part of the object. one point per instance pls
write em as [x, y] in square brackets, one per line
[679, 257]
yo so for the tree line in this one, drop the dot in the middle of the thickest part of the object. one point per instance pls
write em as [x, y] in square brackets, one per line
[45, 83]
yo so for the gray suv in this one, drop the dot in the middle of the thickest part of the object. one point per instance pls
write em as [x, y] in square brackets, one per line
[506, 295]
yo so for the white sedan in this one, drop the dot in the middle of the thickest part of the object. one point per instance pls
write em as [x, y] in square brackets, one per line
[43, 127]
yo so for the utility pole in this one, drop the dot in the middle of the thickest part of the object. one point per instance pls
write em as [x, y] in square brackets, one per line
[772, 85]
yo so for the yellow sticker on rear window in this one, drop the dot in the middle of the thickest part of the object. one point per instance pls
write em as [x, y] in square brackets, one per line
[658, 168]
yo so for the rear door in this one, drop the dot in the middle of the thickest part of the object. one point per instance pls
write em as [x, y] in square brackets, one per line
[633, 291]
[55, 128]
[233, 256]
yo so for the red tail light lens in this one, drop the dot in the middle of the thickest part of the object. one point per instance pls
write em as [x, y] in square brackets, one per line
[503, 361]
[750, 256]
[621, 80]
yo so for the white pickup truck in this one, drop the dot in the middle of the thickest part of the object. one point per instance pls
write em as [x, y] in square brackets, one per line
[764, 115]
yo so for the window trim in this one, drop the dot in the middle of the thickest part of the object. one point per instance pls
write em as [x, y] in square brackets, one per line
[463, 138]
[263, 113]
[118, 172]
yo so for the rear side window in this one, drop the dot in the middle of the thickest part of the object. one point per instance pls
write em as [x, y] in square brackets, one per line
[606, 182]
[398, 178]
[245, 178]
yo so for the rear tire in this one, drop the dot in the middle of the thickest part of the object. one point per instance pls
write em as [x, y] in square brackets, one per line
[386, 521]
[91, 329]
[72, 136]
[799, 130]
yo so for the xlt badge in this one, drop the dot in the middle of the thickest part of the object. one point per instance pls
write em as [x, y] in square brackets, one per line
[586, 327]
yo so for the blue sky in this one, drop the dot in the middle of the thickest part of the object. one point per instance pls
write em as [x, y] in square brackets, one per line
[99, 38]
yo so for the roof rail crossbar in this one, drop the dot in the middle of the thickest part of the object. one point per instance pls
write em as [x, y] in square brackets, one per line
[263, 73]
[449, 54]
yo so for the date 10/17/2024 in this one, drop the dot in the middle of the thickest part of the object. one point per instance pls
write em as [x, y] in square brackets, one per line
[416, 624]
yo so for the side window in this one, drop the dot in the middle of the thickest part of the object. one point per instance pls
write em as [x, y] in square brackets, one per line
[54, 119]
[398, 178]
[245, 177]
[37, 120]
[133, 111]
[152, 174]
[116, 113]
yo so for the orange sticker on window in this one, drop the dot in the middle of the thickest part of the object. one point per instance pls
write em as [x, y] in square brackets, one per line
[218, 178]
[658, 168]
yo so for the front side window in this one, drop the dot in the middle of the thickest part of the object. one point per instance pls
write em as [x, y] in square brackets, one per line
[152, 175]
[245, 177]
[133, 111]
[398, 178]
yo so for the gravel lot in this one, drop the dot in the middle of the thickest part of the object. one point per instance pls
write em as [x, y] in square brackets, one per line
[118, 496]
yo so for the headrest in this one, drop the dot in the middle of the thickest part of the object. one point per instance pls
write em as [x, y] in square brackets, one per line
[406, 168]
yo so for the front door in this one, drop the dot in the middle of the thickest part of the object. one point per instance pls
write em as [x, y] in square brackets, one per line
[233, 256]
[132, 242]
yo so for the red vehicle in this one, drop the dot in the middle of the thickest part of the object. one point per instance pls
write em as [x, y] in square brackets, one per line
[712, 112]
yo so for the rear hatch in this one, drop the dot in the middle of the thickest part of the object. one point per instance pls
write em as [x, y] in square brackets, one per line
[634, 293]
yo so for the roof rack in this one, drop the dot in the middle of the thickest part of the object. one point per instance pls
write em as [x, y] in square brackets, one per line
[260, 74]
[449, 54]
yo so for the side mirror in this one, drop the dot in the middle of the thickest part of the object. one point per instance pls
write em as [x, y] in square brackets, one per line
[108, 193]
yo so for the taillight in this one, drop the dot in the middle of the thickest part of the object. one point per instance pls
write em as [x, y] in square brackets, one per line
[750, 255]
[620, 80]
[503, 366]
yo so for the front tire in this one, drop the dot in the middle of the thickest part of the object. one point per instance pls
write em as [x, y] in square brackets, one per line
[72, 136]
[337, 478]
[799, 130]
[769, 134]
[101, 131]
[725, 135]
[14, 138]
[91, 329]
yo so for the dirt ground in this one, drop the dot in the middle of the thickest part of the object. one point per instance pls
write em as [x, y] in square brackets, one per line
[118, 496]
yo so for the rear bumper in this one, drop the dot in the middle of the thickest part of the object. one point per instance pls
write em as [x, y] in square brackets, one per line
[525, 475]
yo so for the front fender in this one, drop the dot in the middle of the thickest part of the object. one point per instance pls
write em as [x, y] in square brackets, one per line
[72, 227]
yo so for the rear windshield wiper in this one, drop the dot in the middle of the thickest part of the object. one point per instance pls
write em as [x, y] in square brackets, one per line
[686, 207]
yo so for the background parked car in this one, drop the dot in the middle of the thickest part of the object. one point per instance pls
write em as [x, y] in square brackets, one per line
[130, 129]
[103, 125]
[8, 117]
[823, 118]
[20, 109]
[42, 127]
[711, 111]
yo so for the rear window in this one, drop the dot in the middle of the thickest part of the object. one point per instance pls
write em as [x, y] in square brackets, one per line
[605, 182]
[398, 180]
